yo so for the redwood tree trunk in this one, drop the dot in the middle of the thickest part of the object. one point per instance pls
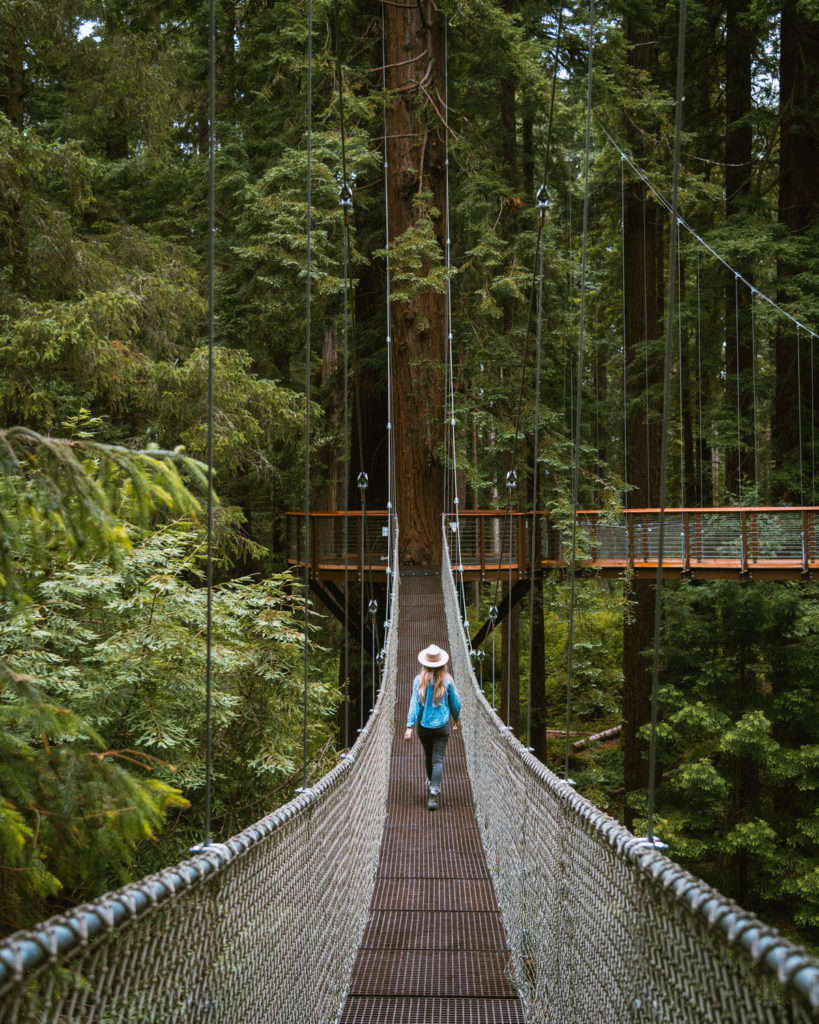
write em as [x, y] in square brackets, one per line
[415, 155]
[739, 41]
[642, 234]
[798, 198]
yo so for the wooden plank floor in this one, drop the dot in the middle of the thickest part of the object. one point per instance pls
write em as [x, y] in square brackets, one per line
[434, 950]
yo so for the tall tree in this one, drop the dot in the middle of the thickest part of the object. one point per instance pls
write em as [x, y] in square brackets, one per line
[798, 203]
[641, 241]
[416, 123]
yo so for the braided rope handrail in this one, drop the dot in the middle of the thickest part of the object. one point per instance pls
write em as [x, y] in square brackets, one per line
[263, 927]
[602, 926]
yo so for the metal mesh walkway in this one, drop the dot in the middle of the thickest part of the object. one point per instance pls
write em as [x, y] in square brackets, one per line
[434, 949]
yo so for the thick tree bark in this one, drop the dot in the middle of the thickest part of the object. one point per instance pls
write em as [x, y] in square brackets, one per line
[644, 373]
[14, 73]
[415, 154]
[537, 674]
[739, 42]
[798, 198]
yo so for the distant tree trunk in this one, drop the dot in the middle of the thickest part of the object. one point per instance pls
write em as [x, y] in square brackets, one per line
[14, 73]
[739, 43]
[415, 154]
[510, 668]
[641, 333]
[537, 674]
[798, 198]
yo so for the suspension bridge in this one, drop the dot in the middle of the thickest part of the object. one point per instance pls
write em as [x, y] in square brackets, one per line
[519, 901]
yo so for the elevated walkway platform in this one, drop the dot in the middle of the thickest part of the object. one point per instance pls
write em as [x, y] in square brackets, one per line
[765, 542]
[434, 949]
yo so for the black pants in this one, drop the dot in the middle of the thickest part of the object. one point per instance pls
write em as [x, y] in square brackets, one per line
[434, 742]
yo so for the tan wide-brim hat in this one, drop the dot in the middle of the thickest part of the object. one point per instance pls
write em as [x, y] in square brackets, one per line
[433, 657]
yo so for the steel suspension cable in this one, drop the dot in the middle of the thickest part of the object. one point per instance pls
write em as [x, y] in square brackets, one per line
[739, 403]
[511, 476]
[391, 491]
[799, 409]
[669, 329]
[579, 400]
[753, 384]
[812, 433]
[535, 481]
[625, 348]
[699, 381]
[345, 200]
[680, 351]
[683, 223]
[211, 347]
[542, 201]
[450, 352]
[307, 347]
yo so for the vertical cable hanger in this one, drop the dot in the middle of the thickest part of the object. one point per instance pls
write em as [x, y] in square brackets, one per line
[739, 410]
[812, 430]
[699, 385]
[669, 329]
[449, 411]
[542, 205]
[579, 400]
[753, 385]
[391, 511]
[799, 416]
[307, 348]
[683, 501]
[625, 363]
[345, 200]
[211, 347]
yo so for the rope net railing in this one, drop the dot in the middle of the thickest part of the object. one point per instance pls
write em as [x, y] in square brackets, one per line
[601, 925]
[261, 928]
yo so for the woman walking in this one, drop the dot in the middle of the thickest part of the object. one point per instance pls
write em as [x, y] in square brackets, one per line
[436, 707]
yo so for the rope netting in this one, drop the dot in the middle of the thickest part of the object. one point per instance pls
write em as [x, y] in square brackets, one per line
[602, 926]
[261, 928]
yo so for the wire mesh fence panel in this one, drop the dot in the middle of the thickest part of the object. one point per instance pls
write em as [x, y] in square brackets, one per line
[601, 925]
[263, 928]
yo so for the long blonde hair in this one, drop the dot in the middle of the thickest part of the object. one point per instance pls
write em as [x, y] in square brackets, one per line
[438, 677]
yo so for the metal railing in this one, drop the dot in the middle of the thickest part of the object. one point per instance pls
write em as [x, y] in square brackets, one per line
[261, 928]
[771, 542]
[339, 540]
[601, 925]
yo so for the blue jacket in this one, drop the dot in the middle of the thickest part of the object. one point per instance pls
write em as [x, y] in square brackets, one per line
[434, 715]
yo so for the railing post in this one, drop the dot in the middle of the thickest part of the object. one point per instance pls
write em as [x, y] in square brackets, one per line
[743, 542]
[808, 522]
[482, 545]
[522, 562]
[686, 566]
[753, 539]
[313, 527]
[630, 538]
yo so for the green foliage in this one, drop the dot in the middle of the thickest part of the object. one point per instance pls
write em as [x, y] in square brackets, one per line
[71, 812]
[121, 653]
[60, 497]
[738, 743]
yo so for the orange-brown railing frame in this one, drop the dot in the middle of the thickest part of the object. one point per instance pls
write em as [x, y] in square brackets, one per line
[764, 542]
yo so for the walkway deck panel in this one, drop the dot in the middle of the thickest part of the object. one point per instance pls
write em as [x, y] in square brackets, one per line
[434, 950]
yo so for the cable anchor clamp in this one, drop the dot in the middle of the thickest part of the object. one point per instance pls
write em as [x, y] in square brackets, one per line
[345, 190]
[542, 200]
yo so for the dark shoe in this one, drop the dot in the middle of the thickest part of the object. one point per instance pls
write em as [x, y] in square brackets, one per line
[432, 803]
